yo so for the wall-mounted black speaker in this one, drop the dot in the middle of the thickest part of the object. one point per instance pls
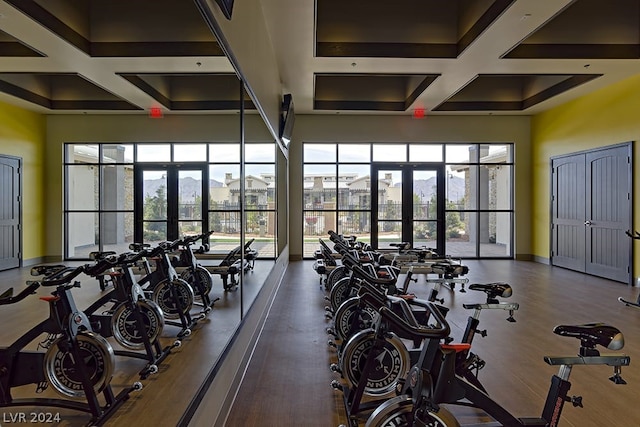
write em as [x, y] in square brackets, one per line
[287, 118]
[226, 6]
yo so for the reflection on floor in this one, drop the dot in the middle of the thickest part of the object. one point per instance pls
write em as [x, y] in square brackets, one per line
[165, 395]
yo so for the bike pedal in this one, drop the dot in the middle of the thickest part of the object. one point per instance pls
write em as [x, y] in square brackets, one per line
[335, 384]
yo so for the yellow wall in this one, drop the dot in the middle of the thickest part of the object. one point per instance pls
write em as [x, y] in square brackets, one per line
[22, 134]
[605, 117]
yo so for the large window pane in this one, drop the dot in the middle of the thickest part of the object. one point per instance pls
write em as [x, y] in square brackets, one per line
[224, 186]
[462, 187]
[82, 187]
[117, 187]
[496, 153]
[259, 183]
[224, 153]
[116, 231]
[320, 187]
[354, 187]
[225, 224]
[323, 153]
[318, 223]
[496, 186]
[81, 153]
[154, 189]
[496, 240]
[461, 233]
[154, 232]
[355, 223]
[425, 153]
[153, 153]
[425, 233]
[260, 153]
[354, 153]
[424, 190]
[189, 152]
[82, 233]
[117, 153]
[461, 153]
[189, 228]
[456, 186]
[389, 152]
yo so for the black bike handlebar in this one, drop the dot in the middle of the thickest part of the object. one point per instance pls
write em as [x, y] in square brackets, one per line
[187, 240]
[364, 275]
[8, 298]
[60, 278]
[419, 331]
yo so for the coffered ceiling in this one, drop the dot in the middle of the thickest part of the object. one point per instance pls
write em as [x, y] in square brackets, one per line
[334, 56]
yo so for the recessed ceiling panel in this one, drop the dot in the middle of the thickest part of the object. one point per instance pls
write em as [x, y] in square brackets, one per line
[586, 29]
[384, 92]
[191, 91]
[126, 28]
[61, 91]
[510, 92]
[10, 46]
[402, 29]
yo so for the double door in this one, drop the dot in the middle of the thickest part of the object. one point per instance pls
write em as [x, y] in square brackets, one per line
[408, 204]
[9, 212]
[591, 210]
[171, 200]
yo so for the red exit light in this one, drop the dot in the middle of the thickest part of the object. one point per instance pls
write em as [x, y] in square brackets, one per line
[155, 113]
[418, 113]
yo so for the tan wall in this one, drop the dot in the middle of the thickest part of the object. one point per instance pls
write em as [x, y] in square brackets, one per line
[22, 134]
[359, 128]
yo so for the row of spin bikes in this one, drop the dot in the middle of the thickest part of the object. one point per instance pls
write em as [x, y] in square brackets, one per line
[142, 292]
[399, 365]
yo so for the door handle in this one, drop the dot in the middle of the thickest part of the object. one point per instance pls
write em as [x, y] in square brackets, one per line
[587, 222]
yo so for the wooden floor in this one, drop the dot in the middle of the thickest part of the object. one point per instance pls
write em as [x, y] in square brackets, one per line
[287, 380]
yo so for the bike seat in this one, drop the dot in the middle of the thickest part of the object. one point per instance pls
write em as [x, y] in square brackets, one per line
[591, 334]
[97, 255]
[496, 289]
[46, 270]
[137, 247]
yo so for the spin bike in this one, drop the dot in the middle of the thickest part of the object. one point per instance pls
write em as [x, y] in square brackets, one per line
[468, 364]
[357, 313]
[134, 321]
[195, 274]
[636, 304]
[377, 359]
[433, 381]
[172, 294]
[69, 340]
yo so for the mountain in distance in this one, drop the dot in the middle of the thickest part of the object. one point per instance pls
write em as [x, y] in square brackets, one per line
[426, 188]
[187, 187]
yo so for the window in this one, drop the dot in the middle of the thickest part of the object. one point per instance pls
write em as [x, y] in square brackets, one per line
[99, 189]
[478, 192]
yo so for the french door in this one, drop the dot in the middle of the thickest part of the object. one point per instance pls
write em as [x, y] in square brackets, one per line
[171, 200]
[408, 204]
[9, 212]
[591, 210]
